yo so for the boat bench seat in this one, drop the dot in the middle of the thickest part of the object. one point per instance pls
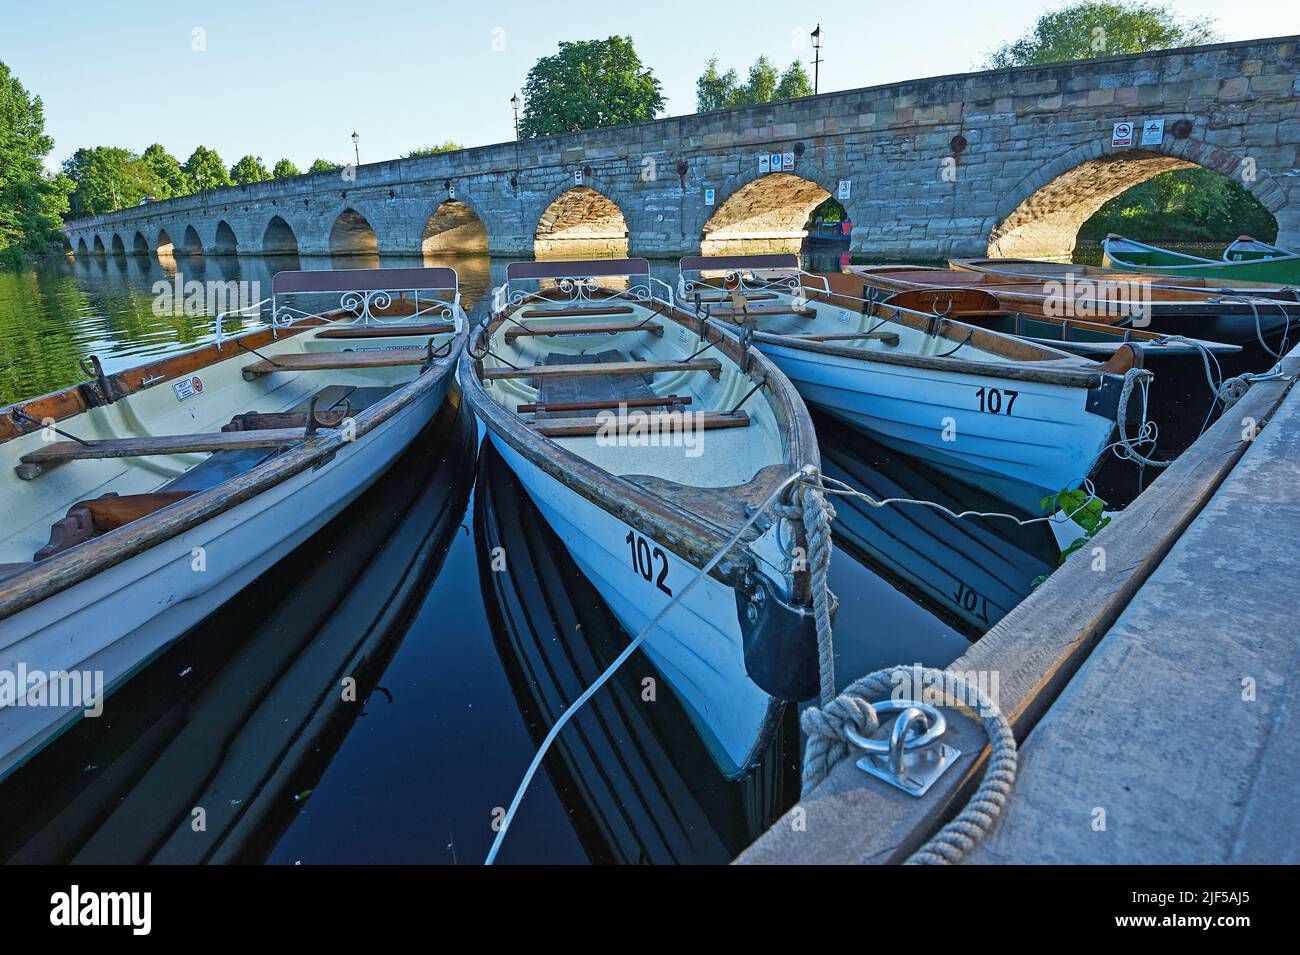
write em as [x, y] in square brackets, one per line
[658, 422]
[86, 520]
[387, 331]
[887, 338]
[761, 311]
[60, 451]
[597, 404]
[572, 312]
[711, 365]
[333, 360]
[587, 328]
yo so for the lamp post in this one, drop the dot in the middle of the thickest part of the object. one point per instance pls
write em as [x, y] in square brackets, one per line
[817, 57]
[514, 101]
[356, 150]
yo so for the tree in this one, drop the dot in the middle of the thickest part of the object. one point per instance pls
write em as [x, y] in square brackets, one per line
[284, 169]
[587, 85]
[324, 165]
[166, 170]
[107, 178]
[248, 169]
[447, 147]
[205, 170]
[1085, 30]
[31, 201]
[714, 90]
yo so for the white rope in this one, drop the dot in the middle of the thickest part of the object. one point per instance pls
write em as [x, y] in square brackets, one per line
[1147, 431]
[568, 714]
[828, 745]
[817, 516]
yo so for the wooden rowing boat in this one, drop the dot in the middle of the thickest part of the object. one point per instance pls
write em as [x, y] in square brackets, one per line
[637, 782]
[1019, 419]
[644, 495]
[1261, 327]
[1244, 260]
[140, 501]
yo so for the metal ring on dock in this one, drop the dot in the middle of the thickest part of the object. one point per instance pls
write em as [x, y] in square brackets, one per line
[910, 712]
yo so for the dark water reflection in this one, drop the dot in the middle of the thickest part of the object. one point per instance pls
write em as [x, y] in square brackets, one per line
[461, 669]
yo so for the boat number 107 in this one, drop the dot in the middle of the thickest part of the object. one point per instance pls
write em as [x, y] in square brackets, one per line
[646, 561]
[997, 400]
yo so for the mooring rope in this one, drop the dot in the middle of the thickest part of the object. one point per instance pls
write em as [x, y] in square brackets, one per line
[828, 745]
[817, 516]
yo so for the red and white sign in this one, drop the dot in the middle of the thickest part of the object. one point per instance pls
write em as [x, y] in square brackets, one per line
[1122, 135]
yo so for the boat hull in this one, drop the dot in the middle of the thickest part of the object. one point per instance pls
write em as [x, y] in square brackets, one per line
[1049, 441]
[116, 621]
[698, 646]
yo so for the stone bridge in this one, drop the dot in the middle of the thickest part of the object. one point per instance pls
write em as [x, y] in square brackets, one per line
[1009, 162]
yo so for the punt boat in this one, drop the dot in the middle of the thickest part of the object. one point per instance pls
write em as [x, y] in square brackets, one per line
[1243, 260]
[138, 502]
[1017, 418]
[1073, 271]
[646, 438]
[639, 783]
[1260, 326]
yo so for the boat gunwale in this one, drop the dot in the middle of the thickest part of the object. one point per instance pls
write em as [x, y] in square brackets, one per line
[692, 536]
[1195, 262]
[46, 578]
[1245, 287]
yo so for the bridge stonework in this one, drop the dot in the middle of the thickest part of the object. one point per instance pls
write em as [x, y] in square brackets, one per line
[1007, 162]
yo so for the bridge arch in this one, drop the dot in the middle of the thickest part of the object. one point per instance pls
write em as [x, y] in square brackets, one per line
[118, 246]
[191, 244]
[352, 234]
[165, 245]
[81, 246]
[99, 245]
[278, 238]
[139, 244]
[225, 243]
[581, 222]
[1042, 214]
[764, 212]
[454, 228]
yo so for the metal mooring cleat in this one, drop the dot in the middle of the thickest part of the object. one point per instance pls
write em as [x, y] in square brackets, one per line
[913, 757]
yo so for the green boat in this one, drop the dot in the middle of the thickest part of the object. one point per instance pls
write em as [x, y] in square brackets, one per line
[1251, 261]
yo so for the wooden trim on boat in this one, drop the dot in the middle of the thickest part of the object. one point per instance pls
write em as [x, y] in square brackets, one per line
[582, 328]
[711, 365]
[657, 421]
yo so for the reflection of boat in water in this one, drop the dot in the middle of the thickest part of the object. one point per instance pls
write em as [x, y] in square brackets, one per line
[971, 571]
[245, 714]
[638, 781]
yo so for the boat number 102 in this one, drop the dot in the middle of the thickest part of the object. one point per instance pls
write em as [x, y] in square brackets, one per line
[645, 561]
[997, 400]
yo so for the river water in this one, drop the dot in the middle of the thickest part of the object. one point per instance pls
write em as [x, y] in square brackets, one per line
[463, 668]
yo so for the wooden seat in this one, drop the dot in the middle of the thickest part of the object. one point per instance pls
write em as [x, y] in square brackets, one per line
[571, 312]
[750, 296]
[762, 310]
[711, 365]
[88, 519]
[554, 406]
[888, 338]
[644, 422]
[387, 331]
[334, 360]
[34, 463]
[590, 328]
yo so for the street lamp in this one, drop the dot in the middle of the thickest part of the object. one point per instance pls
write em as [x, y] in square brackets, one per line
[514, 101]
[356, 150]
[817, 57]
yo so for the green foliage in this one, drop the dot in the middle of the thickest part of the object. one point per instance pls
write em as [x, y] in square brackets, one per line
[447, 147]
[1083, 508]
[248, 169]
[324, 165]
[169, 180]
[587, 85]
[714, 90]
[107, 178]
[1081, 31]
[284, 169]
[829, 211]
[205, 170]
[1185, 205]
[31, 201]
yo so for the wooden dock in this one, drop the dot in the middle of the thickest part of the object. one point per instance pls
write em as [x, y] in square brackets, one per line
[1153, 699]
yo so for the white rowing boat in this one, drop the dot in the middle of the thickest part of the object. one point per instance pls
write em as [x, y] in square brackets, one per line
[1017, 418]
[645, 438]
[139, 502]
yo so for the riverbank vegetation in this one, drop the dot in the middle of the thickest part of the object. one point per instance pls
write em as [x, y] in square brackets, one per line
[32, 202]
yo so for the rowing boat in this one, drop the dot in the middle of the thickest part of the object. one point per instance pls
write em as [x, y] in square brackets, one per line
[1244, 260]
[646, 438]
[637, 782]
[139, 502]
[1067, 271]
[1017, 418]
[1261, 327]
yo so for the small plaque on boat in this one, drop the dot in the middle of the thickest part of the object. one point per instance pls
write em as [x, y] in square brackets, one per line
[187, 388]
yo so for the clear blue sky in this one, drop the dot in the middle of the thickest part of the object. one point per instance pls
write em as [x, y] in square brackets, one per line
[295, 77]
